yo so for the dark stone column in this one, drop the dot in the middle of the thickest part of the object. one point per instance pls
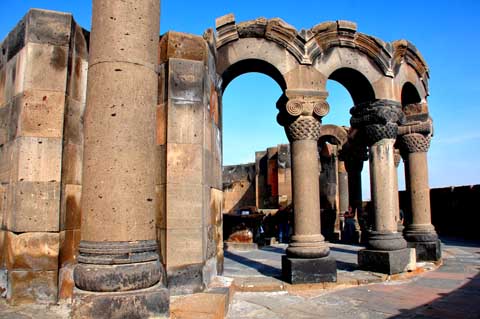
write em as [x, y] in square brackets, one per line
[420, 234]
[119, 274]
[354, 158]
[386, 249]
[307, 258]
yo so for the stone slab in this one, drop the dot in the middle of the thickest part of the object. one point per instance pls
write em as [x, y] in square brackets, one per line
[69, 242]
[427, 251]
[32, 287]
[70, 217]
[387, 262]
[32, 251]
[152, 302]
[185, 279]
[301, 271]
[201, 305]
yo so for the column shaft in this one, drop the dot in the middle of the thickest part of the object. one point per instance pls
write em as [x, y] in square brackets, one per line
[343, 187]
[417, 169]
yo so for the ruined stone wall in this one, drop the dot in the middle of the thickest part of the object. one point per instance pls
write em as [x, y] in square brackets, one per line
[238, 186]
[189, 182]
[454, 210]
[43, 66]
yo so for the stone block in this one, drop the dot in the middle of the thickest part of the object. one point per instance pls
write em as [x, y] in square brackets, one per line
[3, 79]
[6, 162]
[33, 206]
[185, 122]
[69, 241]
[48, 27]
[238, 246]
[201, 306]
[46, 67]
[32, 287]
[80, 41]
[4, 123]
[185, 246]
[15, 40]
[2, 248]
[314, 270]
[162, 84]
[208, 169]
[73, 131]
[427, 251]
[161, 210]
[72, 162]
[185, 80]
[3, 209]
[65, 282]
[152, 302]
[3, 283]
[183, 46]
[77, 80]
[161, 117]
[184, 206]
[70, 213]
[186, 279]
[184, 163]
[32, 251]
[386, 262]
[11, 80]
[36, 159]
[38, 113]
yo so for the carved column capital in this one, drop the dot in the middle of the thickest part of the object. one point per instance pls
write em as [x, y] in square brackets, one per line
[378, 120]
[303, 128]
[414, 143]
[415, 136]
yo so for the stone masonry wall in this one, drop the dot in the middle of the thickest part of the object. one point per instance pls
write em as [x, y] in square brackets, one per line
[42, 93]
[189, 145]
[238, 187]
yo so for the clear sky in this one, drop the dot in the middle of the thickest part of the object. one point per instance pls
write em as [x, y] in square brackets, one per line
[445, 32]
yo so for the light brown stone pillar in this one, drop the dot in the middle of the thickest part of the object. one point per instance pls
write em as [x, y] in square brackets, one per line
[420, 234]
[385, 246]
[307, 258]
[342, 188]
[119, 273]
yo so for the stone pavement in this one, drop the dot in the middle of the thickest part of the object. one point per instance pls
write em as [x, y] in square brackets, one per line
[451, 291]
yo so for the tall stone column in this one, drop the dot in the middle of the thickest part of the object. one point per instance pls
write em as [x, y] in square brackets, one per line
[386, 249]
[354, 158]
[119, 273]
[307, 259]
[397, 159]
[420, 233]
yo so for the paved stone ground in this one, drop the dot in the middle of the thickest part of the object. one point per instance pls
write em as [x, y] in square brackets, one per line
[451, 291]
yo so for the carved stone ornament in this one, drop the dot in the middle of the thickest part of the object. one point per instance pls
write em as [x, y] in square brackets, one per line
[414, 143]
[304, 128]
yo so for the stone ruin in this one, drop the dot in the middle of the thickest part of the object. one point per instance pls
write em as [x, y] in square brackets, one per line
[112, 186]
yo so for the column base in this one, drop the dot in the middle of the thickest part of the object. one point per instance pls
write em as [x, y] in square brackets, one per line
[386, 262]
[151, 302]
[314, 270]
[427, 251]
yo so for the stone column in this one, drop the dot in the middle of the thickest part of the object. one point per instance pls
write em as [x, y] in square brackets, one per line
[354, 159]
[386, 249]
[118, 272]
[399, 221]
[420, 234]
[307, 259]
[343, 203]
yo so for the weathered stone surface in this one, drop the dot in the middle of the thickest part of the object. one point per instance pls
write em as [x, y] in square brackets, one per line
[33, 206]
[32, 251]
[184, 206]
[186, 279]
[202, 306]
[77, 80]
[387, 262]
[70, 217]
[185, 246]
[73, 132]
[32, 287]
[146, 303]
[36, 159]
[183, 46]
[184, 163]
[185, 80]
[72, 164]
[69, 241]
[48, 27]
[38, 113]
[312, 270]
[65, 282]
[427, 251]
[185, 122]
[3, 283]
[2, 248]
[4, 122]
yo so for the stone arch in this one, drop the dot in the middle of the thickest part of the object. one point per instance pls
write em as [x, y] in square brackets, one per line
[409, 94]
[333, 134]
[356, 83]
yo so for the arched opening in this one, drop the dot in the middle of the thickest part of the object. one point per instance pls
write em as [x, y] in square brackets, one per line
[254, 169]
[410, 94]
[356, 84]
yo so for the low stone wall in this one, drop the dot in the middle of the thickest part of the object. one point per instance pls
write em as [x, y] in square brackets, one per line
[455, 210]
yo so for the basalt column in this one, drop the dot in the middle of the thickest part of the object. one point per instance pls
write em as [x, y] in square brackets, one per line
[307, 259]
[119, 274]
[420, 234]
[386, 249]
[354, 159]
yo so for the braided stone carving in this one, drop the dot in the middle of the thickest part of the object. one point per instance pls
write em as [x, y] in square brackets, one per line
[304, 128]
[378, 119]
[414, 143]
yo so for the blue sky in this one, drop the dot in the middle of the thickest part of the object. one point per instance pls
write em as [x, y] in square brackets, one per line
[445, 32]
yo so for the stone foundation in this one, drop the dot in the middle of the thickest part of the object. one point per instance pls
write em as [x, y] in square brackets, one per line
[313, 270]
[427, 251]
[386, 262]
